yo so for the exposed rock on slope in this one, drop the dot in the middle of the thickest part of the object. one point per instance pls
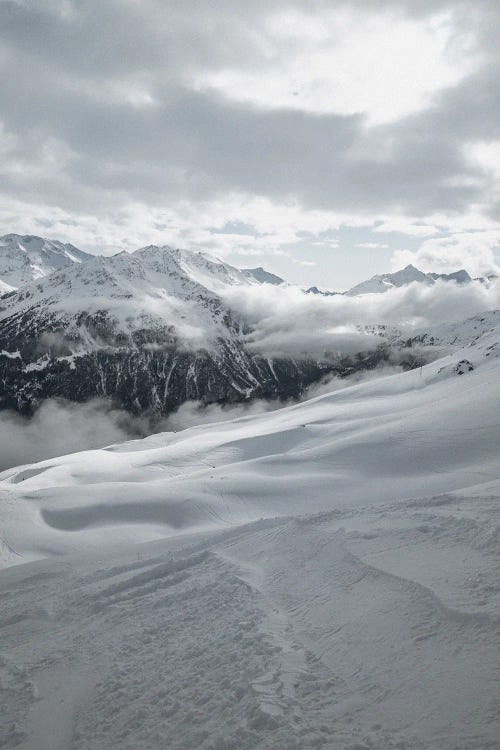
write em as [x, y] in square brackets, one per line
[149, 329]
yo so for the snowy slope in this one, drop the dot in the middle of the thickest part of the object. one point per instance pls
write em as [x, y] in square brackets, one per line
[458, 334]
[325, 575]
[337, 426]
[25, 258]
[262, 276]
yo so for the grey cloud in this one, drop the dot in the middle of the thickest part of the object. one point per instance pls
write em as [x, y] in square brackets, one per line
[196, 145]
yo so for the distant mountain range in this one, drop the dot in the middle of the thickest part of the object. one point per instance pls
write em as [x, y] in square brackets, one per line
[150, 329]
[26, 258]
[381, 283]
[384, 282]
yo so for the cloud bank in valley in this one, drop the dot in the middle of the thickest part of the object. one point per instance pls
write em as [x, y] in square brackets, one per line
[287, 322]
[59, 427]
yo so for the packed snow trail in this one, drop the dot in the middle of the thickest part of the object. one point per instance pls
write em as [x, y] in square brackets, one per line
[325, 576]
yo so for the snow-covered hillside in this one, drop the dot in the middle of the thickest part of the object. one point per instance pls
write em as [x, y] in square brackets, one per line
[474, 331]
[149, 329]
[153, 286]
[325, 575]
[26, 258]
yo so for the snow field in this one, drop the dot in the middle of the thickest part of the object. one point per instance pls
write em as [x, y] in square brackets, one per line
[323, 576]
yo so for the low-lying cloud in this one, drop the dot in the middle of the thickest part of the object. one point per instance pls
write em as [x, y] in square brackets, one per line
[60, 427]
[285, 321]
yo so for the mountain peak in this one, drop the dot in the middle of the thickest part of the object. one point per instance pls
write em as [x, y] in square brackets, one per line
[26, 258]
[407, 275]
[263, 276]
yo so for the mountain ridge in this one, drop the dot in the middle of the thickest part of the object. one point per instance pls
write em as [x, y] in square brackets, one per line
[149, 329]
[154, 328]
[25, 258]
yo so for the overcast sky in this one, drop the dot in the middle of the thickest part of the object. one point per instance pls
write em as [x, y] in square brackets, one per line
[326, 141]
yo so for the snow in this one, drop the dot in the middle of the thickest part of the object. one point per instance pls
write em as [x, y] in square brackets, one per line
[26, 258]
[152, 288]
[383, 282]
[263, 276]
[320, 576]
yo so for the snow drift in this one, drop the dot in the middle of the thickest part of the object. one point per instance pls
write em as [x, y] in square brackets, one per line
[324, 575]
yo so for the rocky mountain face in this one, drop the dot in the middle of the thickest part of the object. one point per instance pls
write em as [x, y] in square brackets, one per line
[152, 329]
[323, 293]
[149, 330]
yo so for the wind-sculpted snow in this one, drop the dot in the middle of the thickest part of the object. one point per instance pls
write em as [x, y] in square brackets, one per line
[323, 575]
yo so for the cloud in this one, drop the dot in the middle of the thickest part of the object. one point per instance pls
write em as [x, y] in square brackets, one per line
[316, 53]
[103, 114]
[59, 427]
[372, 245]
[286, 322]
[473, 251]
[118, 127]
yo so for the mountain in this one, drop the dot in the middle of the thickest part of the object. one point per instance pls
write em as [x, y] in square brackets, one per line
[383, 282]
[472, 332]
[262, 276]
[315, 290]
[320, 576]
[26, 258]
[149, 329]
[461, 277]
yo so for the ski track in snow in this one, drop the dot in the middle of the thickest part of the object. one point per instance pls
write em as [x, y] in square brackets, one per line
[325, 576]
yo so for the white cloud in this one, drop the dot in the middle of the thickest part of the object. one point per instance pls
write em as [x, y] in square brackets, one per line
[406, 226]
[486, 154]
[473, 251]
[287, 322]
[372, 245]
[112, 151]
[345, 61]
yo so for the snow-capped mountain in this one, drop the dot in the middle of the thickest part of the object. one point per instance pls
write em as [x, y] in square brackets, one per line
[26, 258]
[323, 293]
[471, 332]
[261, 275]
[152, 329]
[384, 282]
[149, 329]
